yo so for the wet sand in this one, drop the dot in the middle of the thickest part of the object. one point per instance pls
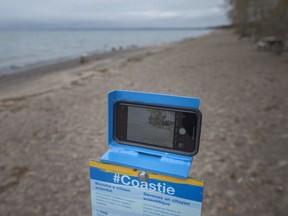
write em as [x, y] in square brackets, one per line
[53, 122]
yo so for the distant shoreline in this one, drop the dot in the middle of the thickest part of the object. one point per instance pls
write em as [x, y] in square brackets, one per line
[39, 70]
[71, 50]
[56, 64]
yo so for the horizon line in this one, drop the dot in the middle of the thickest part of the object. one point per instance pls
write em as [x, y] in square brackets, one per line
[113, 28]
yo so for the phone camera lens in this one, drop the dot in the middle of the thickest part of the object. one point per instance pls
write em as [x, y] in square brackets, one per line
[182, 131]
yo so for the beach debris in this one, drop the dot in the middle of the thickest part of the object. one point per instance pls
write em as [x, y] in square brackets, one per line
[261, 45]
[271, 44]
[83, 58]
[133, 46]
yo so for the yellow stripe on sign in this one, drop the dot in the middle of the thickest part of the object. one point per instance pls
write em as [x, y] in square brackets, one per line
[133, 172]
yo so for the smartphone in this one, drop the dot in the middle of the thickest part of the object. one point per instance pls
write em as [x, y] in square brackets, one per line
[164, 128]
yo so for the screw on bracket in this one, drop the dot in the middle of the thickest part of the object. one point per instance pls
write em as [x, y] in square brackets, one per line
[143, 176]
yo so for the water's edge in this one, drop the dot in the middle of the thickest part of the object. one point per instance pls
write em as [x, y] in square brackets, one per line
[17, 67]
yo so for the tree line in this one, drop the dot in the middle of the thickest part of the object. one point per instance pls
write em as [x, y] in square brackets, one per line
[259, 18]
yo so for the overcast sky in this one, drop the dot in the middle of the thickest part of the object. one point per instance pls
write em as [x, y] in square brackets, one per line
[115, 13]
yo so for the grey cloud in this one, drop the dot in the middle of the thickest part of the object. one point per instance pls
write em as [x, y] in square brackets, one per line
[125, 11]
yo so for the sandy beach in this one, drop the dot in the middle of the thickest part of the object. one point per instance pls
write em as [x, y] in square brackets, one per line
[53, 120]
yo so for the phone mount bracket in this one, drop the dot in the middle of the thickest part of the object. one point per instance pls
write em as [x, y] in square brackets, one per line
[141, 158]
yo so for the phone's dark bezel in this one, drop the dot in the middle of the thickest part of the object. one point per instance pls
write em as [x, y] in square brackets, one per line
[162, 107]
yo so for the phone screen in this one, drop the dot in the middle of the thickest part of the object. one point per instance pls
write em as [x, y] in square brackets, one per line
[151, 126]
[162, 128]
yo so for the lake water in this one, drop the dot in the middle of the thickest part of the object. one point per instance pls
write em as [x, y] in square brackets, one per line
[20, 49]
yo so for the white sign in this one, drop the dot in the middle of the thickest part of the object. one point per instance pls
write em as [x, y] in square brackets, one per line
[117, 190]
